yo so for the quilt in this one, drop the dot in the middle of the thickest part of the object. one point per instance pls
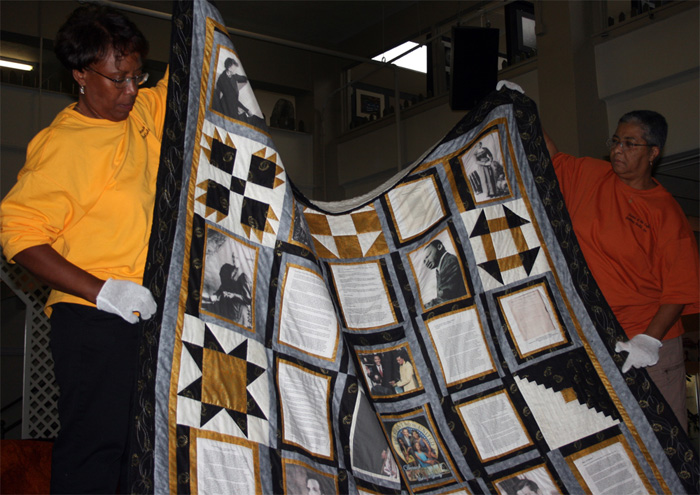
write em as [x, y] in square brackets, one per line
[442, 335]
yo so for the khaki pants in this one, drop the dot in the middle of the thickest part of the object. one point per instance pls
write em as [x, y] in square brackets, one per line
[669, 376]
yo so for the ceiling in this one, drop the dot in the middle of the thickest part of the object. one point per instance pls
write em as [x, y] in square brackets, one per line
[318, 23]
[340, 25]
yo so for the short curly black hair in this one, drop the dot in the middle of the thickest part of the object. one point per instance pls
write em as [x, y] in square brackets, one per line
[91, 31]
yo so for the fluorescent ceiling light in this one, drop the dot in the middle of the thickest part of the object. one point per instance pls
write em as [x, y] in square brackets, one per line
[15, 65]
[416, 60]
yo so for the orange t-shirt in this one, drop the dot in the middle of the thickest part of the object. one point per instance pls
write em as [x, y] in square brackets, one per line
[637, 244]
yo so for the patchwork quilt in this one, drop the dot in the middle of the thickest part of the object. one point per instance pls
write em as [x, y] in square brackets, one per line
[443, 335]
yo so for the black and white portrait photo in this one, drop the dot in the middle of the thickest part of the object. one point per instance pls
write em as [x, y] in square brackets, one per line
[484, 169]
[228, 282]
[232, 95]
[438, 271]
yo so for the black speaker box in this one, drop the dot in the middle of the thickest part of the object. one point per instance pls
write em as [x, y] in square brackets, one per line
[474, 65]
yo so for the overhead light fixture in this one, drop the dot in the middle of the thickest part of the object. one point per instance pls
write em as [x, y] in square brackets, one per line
[15, 65]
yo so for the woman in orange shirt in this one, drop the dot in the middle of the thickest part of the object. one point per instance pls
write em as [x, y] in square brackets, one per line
[638, 245]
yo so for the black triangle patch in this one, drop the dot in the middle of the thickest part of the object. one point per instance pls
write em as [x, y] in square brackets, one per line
[240, 351]
[254, 408]
[514, 220]
[210, 340]
[241, 420]
[253, 371]
[492, 268]
[208, 412]
[193, 390]
[481, 227]
[196, 352]
[528, 258]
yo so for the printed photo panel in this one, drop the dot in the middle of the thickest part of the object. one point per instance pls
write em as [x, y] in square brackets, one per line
[460, 344]
[363, 295]
[300, 478]
[420, 451]
[485, 170]
[305, 406]
[438, 271]
[533, 481]
[223, 464]
[389, 372]
[232, 96]
[531, 319]
[493, 426]
[307, 320]
[415, 205]
[228, 283]
[370, 454]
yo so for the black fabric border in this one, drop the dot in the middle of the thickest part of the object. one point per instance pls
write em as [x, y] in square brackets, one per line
[168, 187]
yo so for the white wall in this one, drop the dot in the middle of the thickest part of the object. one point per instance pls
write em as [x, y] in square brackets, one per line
[657, 68]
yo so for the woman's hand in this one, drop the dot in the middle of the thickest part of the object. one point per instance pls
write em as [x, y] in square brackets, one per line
[126, 299]
[509, 85]
[643, 351]
[120, 297]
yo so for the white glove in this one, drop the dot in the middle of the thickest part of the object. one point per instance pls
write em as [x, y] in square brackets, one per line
[124, 298]
[509, 85]
[643, 351]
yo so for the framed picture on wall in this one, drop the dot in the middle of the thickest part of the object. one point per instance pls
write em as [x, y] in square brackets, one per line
[369, 103]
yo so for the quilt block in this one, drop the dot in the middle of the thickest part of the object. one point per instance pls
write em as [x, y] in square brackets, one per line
[443, 336]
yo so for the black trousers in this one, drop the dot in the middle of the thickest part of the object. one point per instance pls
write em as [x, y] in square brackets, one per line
[95, 356]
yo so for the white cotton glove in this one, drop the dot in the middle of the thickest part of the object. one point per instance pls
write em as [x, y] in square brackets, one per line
[509, 85]
[643, 351]
[124, 298]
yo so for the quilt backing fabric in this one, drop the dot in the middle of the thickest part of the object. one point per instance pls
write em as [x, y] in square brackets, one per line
[441, 336]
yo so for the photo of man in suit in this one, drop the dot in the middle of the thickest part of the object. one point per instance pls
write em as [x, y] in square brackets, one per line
[380, 377]
[450, 281]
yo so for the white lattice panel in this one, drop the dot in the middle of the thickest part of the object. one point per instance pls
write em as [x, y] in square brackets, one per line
[40, 392]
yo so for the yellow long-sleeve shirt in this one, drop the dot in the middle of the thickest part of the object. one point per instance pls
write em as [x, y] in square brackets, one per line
[87, 189]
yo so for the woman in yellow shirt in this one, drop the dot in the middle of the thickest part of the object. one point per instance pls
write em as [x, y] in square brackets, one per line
[79, 218]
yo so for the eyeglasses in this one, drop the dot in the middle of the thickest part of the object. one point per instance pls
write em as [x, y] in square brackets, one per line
[122, 83]
[613, 143]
